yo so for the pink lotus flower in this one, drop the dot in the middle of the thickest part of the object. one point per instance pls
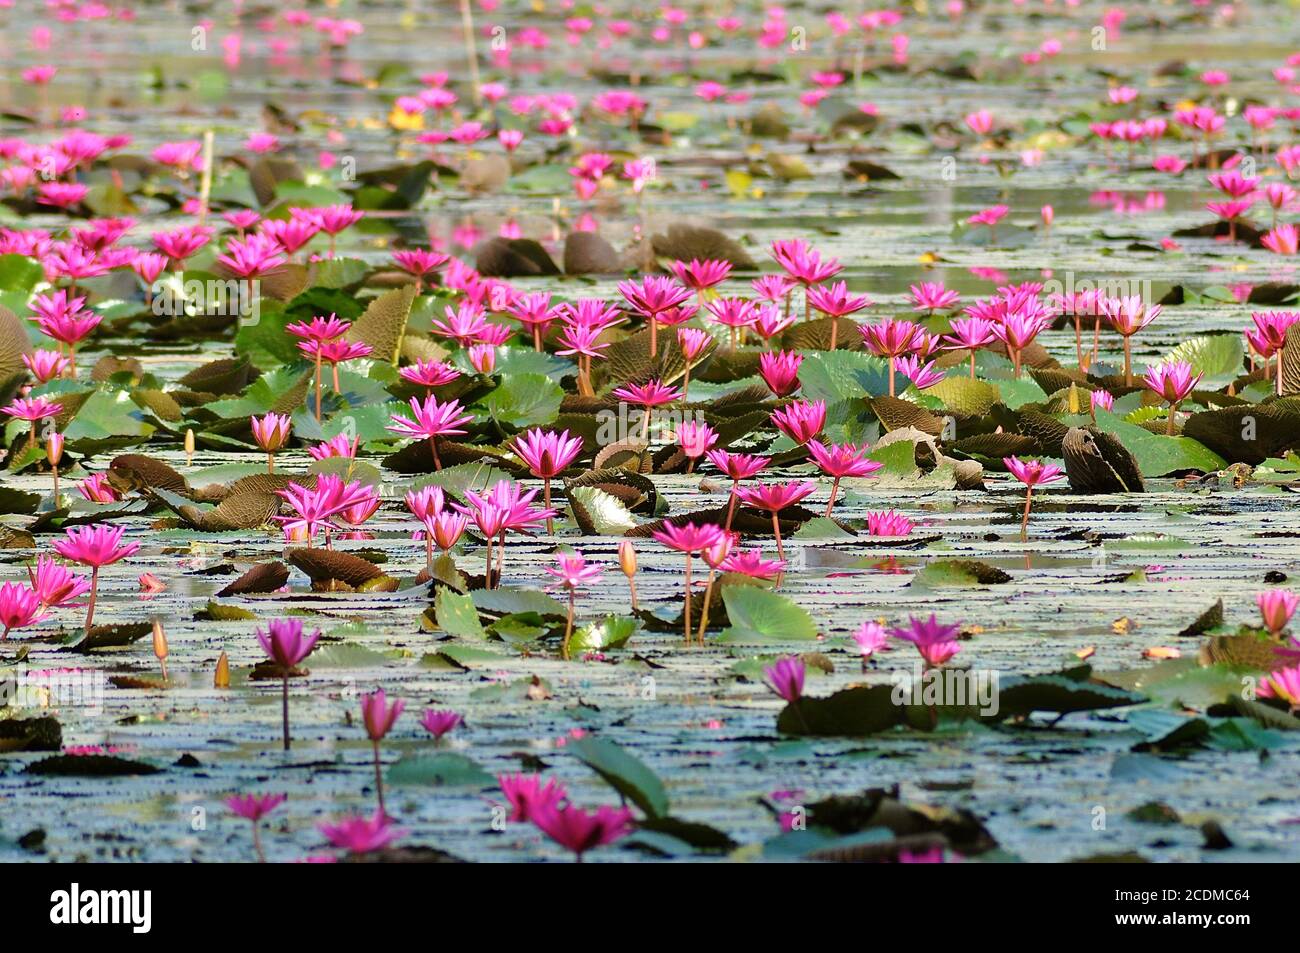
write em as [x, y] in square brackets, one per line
[695, 439]
[889, 339]
[254, 807]
[737, 466]
[870, 638]
[835, 302]
[420, 262]
[19, 608]
[254, 257]
[33, 410]
[990, 217]
[785, 678]
[921, 375]
[801, 421]
[774, 497]
[572, 572]
[750, 562]
[699, 275]
[652, 296]
[337, 446]
[1276, 607]
[653, 393]
[1173, 381]
[379, 717]
[578, 830]
[1128, 316]
[980, 122]
[361, 835]
[97, 489]
[1031, 473]
[429, 374]
[936, 642]
[888, 523]
[688, 539]
[54, 585]
[526, 794]
[271, 433]
[1282, 684]
[284, 643]
[780, 371]
[440, 722]
[94, 546]
[45, 365]
[429, 421]
[1282, 240]
[932, 296]
[803, 263]
[841, 460]
[181, 243]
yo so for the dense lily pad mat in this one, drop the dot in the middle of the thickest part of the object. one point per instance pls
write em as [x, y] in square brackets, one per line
[1127, 719]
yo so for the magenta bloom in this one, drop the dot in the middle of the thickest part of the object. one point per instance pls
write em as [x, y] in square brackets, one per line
[780, 371]
[429, 373]
[19, 607]
[750, 562]
[285, 644]
[254, 807]
[431, 420]
[46, 365]
[578, 830]
[688, 538]
[271, 431]
[255, 256]
[547, 453]
[694, 439]
[527, 794]
[840, 460]
[870, 638]
[572, 570]
[888, 523]
[440, 722]
[319, 329]
[1276, 607]
[785, 678]
[1283, 684]
[361, 835]
[921, 375]
[775, 497]
[1173, 381]
[932, 296]
[55, 586]
[1033, 472]
[651, 297]
[936, 642]
[803, 263]
[889, 339]
[801, 421]
[94, 546]
[698, 275]
[653, 393]
[379, 716]
[420, 262]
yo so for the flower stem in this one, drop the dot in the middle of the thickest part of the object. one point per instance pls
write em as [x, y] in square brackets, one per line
[1024, 521]
[379, 780]
[568, 627]
[686, 607]
[94, 592]
[704, 610]
[284, 707]
[835, 488]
